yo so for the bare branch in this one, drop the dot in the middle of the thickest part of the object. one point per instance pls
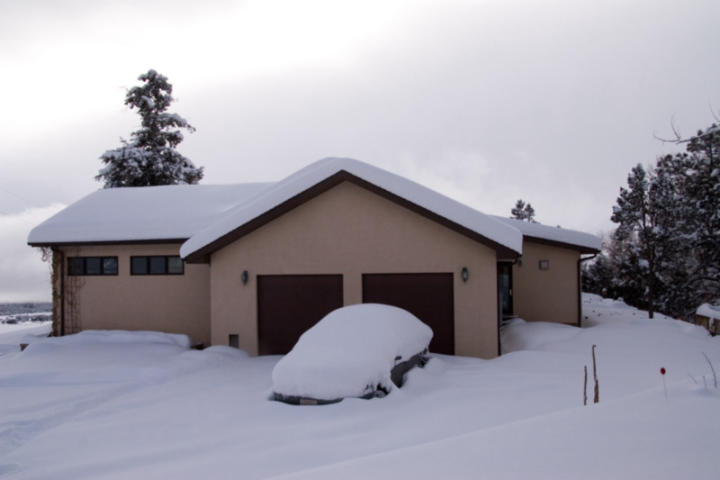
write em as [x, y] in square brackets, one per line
[715, 382]
[713, 113]
[676, 133]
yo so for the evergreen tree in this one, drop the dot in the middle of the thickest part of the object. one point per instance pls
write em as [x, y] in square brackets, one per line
[696, 224]
[639, 214]
[665, 252]
[598, 276]
[150, 158]
[602, 275]
[523, 211]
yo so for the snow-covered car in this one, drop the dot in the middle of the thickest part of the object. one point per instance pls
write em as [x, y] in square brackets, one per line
[356, 351]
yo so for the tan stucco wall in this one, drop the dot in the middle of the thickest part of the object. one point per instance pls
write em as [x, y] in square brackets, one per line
[169, 303]
[546, 295]
[352, 231]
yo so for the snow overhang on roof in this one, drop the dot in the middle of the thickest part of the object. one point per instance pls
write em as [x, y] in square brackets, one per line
[324, 174]
[708, 310]
[141, 214]
[563, 237]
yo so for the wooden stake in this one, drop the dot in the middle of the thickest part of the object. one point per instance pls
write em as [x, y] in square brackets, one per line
[597, 386]
[585, 388]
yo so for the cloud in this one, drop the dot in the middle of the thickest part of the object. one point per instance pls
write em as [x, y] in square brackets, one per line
[487, 102]
[23, 274]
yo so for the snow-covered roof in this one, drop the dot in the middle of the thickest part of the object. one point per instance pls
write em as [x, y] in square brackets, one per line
[202, 214]
[555, 234]
[316, 172]
[141, 213]
[710, 311]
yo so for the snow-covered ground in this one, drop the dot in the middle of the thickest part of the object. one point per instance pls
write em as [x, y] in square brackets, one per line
[12, 335]
[144, 406]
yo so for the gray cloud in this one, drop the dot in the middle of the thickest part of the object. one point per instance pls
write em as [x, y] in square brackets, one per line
[487, 102]
[23, 274]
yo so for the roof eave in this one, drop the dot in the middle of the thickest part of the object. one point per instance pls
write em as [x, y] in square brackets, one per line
[149, 241]
[555, 243]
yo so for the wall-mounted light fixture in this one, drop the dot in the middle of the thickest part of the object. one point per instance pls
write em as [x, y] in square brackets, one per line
[245, 277]
[544, 264]
[465, 274]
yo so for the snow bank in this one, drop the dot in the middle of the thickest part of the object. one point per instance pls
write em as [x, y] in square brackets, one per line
[350, 352]
[89, 337]
[644, 436]
[11, 336]
[521, 335]
[157, 411]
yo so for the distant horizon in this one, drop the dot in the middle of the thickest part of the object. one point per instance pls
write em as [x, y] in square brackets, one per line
[13, 302]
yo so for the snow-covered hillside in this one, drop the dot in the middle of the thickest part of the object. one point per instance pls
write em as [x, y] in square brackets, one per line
[144, 406]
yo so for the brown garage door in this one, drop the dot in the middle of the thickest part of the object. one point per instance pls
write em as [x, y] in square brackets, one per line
[428, 296]
[290, 304]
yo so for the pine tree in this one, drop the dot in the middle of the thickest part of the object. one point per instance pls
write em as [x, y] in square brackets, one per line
[150, 158]
[665, 253]
[696, 226]
[523, 211]
[640, 214]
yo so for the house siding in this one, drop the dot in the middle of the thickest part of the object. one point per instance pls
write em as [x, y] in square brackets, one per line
[349, 230]
[546, 295]
[168, 303]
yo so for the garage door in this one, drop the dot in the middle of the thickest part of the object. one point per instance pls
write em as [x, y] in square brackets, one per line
[290, 304]
[428, 296]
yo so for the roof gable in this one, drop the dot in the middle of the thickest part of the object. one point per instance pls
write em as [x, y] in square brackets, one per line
[201, 255]
[324, 174]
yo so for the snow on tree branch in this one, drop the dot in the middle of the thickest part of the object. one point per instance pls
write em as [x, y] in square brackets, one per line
[149, 157]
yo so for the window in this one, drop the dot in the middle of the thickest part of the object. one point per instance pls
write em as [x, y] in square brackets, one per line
[110, 265]
[92, 266]
[544, 264]
[138, 265]
[175, 265]
[76, 266]
[157, 265]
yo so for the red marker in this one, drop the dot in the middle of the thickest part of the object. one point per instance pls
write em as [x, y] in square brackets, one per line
[662, 372]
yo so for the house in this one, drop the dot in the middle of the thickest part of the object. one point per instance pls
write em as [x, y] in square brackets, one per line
[255, 265]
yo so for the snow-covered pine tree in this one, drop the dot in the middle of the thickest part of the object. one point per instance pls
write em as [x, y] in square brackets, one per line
[641, 214]
[598, 276]
[696, 178]
[523, 211]
[150, 158]
[672, 251]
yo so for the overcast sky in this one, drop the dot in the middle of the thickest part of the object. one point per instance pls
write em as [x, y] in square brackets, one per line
[484, 101]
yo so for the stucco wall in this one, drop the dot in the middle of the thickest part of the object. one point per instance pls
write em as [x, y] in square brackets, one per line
[546, 295]
[169, 303]
[351, 231]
